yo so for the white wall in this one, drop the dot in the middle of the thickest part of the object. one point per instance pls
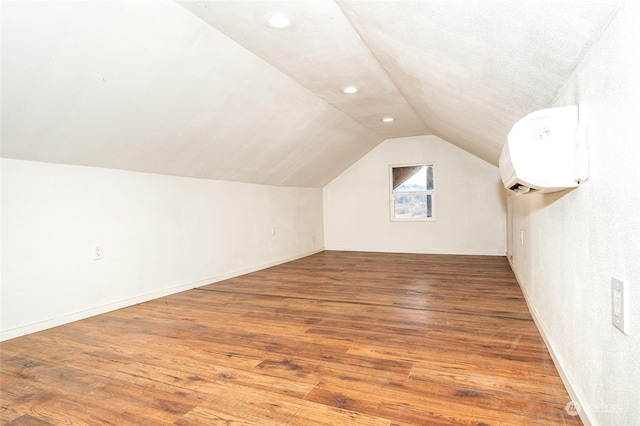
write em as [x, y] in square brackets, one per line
[574, 242]
[160, 234]
[469, 203]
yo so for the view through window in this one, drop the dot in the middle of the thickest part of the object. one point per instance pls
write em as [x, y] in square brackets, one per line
[412, 192]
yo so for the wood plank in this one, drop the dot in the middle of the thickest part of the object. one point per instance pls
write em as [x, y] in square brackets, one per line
[263, 409]
[27, 420]
[440, 406]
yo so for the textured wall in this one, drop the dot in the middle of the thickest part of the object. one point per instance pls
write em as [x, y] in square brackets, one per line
[575, 242]
[469, 204]
[160, 234]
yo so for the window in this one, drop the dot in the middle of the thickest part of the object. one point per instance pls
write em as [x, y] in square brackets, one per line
[412, 193]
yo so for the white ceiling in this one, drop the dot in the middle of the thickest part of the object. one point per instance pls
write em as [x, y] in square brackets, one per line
[205, 89]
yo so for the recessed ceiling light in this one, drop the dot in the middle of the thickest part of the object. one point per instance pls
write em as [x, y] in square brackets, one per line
[388, 119]
[278, 21]
[350, 90]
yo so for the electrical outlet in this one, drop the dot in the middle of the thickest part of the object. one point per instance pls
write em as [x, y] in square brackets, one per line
[273, 230]
[97, 252]
[522, 237]
[619, 305]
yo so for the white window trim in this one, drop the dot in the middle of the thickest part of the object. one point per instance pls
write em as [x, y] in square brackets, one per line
[392, 217]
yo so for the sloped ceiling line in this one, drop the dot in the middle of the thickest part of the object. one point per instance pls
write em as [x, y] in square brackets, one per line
[472, 68]
[407, 99]
[588, 48]
[192, 88]
[322, 52]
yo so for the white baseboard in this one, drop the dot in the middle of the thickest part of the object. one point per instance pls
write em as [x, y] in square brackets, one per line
[557, 360]
[76, 316]
[413, 251]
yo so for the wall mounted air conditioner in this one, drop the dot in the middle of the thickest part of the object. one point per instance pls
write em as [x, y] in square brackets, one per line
[545, 152]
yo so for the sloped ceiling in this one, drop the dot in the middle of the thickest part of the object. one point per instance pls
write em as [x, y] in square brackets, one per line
[205, 89]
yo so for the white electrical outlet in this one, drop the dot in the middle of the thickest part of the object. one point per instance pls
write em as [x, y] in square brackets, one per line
[619, 305]
[522, 237]
[97, 252]
[273, 230]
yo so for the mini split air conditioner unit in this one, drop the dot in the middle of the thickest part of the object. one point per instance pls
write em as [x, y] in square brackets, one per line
[545, 152]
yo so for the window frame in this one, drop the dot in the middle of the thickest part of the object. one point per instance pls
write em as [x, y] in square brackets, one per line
[392, 216]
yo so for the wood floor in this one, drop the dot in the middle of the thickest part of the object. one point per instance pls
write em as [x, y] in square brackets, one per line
[338, 338]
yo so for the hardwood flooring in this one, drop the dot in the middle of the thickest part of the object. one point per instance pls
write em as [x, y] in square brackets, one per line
[337, 338]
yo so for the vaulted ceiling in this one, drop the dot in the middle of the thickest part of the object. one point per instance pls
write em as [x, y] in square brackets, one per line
[205, 89]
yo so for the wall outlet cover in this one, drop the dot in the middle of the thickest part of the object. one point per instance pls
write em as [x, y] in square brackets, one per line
[97, 252]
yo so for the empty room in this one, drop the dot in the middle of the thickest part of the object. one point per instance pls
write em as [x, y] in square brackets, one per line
[320, 212]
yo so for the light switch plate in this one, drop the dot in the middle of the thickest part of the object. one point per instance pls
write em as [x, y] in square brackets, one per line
[618, 305]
